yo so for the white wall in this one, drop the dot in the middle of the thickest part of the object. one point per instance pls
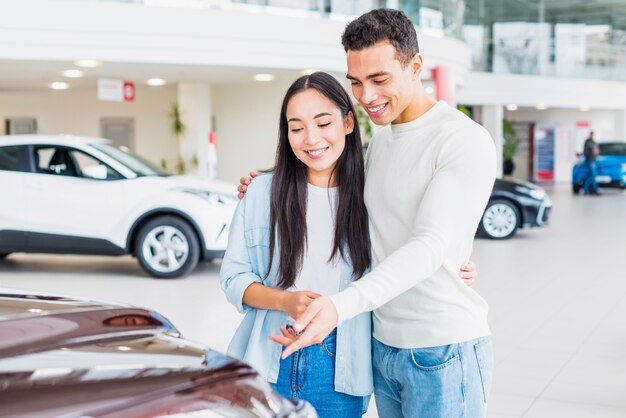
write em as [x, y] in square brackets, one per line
[246, 124]
[78, 112]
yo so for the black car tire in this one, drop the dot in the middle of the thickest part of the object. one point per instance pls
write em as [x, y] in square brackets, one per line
[576, 188]
[167, 237]
[3, 255]
[500, 220]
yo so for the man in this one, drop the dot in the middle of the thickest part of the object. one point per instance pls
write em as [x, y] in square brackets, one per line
[431, 347]
[591, 151]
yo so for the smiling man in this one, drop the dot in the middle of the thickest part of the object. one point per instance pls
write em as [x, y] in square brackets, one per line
[432, 350]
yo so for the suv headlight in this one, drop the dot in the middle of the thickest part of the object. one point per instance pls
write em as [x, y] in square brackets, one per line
[211, 197]
[538, 194]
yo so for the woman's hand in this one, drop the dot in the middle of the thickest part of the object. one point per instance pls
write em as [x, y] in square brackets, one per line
[295, 303]
[468, 273]
[289, 336]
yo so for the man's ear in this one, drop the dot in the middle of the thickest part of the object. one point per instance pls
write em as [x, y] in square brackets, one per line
[416, 65]
[349, 123]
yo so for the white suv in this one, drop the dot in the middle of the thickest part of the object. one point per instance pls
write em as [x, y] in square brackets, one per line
[76, 195]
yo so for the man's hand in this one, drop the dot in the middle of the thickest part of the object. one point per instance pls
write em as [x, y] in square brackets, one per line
[295, 303]
[468, 273]
[319, 319]
[244, 182]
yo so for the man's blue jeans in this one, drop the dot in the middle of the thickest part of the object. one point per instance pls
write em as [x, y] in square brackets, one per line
[590, 181]
[446, 381]
[309, 374]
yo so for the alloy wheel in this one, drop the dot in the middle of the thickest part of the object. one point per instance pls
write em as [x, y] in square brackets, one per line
[165, 248]
[500, 220]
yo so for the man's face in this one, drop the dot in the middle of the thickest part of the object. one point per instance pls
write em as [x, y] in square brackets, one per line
[380, 83]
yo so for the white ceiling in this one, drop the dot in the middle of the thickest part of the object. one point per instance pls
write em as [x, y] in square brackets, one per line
[34, 75]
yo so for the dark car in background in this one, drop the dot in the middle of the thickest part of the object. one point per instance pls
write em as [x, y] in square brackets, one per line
[513, 205]
[67, 357]
[610, 165]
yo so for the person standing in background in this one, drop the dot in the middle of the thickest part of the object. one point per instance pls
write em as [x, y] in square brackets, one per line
[591, 151]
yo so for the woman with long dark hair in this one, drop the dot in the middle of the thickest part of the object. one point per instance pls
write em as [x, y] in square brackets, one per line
[301, 231]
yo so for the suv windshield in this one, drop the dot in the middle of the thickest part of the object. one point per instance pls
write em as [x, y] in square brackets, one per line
[613, 148]
[134, 162]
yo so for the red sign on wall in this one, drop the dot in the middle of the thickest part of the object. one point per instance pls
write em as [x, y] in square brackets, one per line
[129, 91]
[116, 90]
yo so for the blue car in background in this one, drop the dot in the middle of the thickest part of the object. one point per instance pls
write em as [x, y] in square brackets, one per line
[611, 164]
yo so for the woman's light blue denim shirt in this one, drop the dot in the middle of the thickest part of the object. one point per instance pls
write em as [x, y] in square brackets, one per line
[245, 262]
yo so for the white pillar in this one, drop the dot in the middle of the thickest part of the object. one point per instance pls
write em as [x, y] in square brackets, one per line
[194, 102]
[620, 125]
[492, 121]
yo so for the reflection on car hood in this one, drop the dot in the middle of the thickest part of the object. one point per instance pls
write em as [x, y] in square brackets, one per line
[201, 183]
[14, 302]
[62, 355]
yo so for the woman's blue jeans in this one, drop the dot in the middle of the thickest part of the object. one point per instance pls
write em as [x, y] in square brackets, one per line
[309, 374]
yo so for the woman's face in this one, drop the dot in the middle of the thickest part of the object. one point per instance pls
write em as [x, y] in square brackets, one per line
[317, 133]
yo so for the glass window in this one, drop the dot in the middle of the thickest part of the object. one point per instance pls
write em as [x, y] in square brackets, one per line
[91, 167]
[10, 158]
[613, 149]
[54, 160]
[138, 165]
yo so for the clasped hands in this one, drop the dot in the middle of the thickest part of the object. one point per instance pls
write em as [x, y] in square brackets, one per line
[312, 325]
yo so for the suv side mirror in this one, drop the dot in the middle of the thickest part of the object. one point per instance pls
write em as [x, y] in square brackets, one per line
[98, 172]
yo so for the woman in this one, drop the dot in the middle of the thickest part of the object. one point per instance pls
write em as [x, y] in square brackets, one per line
[301, 231]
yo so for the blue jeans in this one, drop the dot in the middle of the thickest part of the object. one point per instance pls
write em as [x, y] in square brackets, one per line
[446, 381]
[309, 374]
[590, 181]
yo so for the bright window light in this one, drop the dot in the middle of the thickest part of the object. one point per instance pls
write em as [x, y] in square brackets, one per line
[72, 73]
[88, 63]
[155, 82]
[59, 85]
[263, 77]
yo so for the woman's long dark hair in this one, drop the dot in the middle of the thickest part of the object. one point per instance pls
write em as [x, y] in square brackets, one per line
[289, 191]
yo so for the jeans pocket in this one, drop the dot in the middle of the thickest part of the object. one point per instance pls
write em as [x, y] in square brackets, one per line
[329, 346]
[484, 357]
[435, 358]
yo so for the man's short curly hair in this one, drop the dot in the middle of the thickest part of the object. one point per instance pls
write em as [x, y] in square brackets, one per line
[381, 25]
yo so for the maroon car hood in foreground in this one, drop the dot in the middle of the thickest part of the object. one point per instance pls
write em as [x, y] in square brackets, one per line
[63, 357]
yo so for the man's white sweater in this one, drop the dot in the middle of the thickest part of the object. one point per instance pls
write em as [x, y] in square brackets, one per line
[427, 184]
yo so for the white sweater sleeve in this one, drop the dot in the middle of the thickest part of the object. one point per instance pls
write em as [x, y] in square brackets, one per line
[450, 210]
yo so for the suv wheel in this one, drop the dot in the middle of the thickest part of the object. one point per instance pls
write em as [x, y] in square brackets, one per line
[500, 220]
[167, 247]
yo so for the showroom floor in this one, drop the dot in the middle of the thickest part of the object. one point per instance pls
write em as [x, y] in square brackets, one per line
[556, 300]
